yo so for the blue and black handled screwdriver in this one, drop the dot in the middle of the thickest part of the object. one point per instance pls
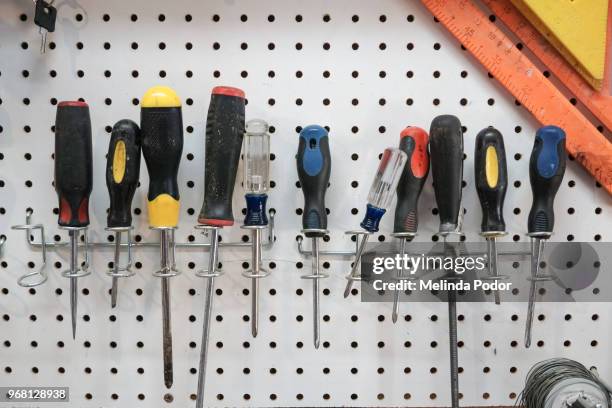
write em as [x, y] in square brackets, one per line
[546, 170]
[314, 166]
[491, 177]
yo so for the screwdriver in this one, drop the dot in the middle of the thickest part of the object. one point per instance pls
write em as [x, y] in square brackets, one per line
[314, 167]
[73, 184]
[224, 133]
[546, 170]
[446, 149]
[122, 173]
[256, 177]
[162, 145]
[380, 196]
[491, 177]
[413, 142]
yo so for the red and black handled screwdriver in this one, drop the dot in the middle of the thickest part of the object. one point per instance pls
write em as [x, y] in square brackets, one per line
[161, 123]
[224, 133]
[446, 149]
[73, 183]
[546, 170]
[491, 178]
[413, 142]
[122, 174]
[314, 167]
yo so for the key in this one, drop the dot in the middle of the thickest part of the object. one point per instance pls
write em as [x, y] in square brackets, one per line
[44, 17]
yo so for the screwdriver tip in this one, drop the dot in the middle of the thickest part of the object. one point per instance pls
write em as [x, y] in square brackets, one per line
[254, 331]
[168, 383]
[316, 343]
[394, 317]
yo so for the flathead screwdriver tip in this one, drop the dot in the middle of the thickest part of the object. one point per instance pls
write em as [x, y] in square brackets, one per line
[394, 317]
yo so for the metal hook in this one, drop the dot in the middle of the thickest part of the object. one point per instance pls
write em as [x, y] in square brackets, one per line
[211, 272]
[28, 280]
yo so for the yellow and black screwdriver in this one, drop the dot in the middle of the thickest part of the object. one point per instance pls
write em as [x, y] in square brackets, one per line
[491, 177]
[162, 145]
[122, 173]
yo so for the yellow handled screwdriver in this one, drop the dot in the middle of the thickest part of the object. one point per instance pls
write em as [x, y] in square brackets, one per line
[162, 145]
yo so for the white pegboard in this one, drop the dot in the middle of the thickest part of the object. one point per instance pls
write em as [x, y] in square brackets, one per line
[365, 69]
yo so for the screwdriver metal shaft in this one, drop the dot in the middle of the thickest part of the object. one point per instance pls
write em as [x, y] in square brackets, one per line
[492, 259]
[208, 303]
[401, 271]
[116, 269]
[74, 266]
[166, 267]
[256, 261]
[537, 248]
[356, 266]
[316, 315]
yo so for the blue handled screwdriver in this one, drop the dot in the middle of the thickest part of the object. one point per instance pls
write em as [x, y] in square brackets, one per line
[546, 170]
[314, 167]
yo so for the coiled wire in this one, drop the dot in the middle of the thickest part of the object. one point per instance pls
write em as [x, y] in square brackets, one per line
[543, 377]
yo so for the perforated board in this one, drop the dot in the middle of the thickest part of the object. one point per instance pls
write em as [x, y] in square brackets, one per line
[365, 69]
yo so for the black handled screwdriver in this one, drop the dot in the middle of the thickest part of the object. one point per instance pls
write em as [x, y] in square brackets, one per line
[314, 167]
[73, 184]
[546, 170]
[161, 123]
[491, 177]
[413, 142]
[446, 149]
[122, 174]
[224, 133]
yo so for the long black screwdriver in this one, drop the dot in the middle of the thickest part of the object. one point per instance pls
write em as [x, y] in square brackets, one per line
[122, 174]
[161, 122]
[491, 178]
[546, 170]
[314, 167]
[225, 129]
[73, 184]
[413, 142]
[446, 149]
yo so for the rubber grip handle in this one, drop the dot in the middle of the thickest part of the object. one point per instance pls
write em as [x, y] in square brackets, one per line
[224, 133]
[73, 163]
[546, 170]
[314, 167]
[491, 175]
[413, 142]
[161, 124]
[122, 171]
[446, 149]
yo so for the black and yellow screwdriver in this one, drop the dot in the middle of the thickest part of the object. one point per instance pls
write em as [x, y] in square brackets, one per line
[546, 170]
[122, 174]
[73, 184]
[224, 133]
[491, 178]
[162, 145]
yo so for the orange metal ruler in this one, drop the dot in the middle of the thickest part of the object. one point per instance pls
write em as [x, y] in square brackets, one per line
[523, 79]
